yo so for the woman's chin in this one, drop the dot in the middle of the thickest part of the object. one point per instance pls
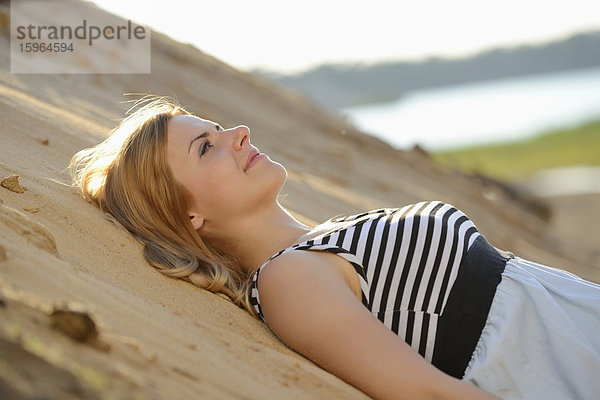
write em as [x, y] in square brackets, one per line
[281, 168]
[283, 177]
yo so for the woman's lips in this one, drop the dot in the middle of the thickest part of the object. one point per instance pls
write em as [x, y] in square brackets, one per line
[254, 159]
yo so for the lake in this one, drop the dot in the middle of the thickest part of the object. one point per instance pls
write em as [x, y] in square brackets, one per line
[491, 111]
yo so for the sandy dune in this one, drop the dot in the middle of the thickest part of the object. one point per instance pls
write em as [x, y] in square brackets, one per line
[82, 316]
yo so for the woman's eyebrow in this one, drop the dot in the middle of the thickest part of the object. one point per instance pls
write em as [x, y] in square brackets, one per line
[205, 134]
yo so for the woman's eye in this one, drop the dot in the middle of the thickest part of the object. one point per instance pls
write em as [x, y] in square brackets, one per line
[204, 147]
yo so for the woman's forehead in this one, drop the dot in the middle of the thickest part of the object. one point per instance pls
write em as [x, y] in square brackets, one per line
[190, 122]
[183, 128]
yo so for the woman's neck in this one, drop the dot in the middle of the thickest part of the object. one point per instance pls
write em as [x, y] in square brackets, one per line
[254, 239]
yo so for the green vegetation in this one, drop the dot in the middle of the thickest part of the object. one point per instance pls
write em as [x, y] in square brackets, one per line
[511, 161]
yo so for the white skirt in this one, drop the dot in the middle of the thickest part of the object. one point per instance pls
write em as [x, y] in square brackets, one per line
[542, 336]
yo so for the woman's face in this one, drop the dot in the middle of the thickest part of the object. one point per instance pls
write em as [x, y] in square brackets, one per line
[211, 162]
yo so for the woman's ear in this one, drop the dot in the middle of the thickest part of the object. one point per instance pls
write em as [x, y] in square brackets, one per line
[197, 221]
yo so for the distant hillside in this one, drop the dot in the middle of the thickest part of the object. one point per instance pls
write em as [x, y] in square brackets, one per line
[338, 86]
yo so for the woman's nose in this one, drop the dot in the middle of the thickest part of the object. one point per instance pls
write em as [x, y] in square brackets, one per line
[241, 135]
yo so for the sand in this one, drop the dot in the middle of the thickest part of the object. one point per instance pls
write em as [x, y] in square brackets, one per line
[83, 316]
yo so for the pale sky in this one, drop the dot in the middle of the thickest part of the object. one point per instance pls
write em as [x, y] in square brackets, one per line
[288, 36]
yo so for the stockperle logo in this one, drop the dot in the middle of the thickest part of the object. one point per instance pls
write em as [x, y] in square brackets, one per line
[72, 36]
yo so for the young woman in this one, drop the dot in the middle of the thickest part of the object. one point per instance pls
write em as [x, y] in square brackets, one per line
[408, 302]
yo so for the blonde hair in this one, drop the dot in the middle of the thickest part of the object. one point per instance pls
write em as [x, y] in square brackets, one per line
[127, 176]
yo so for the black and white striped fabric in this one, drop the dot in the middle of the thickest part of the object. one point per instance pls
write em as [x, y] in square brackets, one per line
[408, 260]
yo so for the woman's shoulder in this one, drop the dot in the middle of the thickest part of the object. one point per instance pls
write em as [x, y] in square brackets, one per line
[309, 265]
[305, 270]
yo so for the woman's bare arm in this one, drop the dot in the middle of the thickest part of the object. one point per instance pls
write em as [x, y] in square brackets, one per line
[310, 307]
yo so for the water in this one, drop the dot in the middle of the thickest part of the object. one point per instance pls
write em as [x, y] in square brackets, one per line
[572, 180]
[493, 111]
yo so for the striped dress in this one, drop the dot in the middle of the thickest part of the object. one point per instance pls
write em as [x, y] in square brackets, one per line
[425, 272]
